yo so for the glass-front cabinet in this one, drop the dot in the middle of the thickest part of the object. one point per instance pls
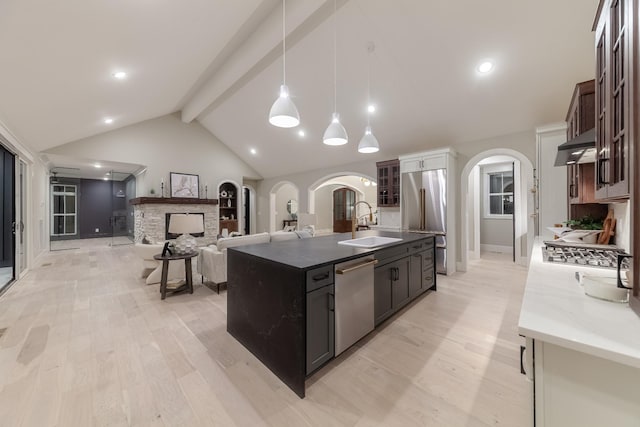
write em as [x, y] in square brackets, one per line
[388, 183]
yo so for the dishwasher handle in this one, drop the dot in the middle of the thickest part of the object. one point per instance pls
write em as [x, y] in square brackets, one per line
[356, 267]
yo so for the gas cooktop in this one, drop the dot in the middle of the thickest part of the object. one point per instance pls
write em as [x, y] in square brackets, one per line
[603, 256]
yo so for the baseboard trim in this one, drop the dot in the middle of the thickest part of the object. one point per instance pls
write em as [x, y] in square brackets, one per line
[496, 248]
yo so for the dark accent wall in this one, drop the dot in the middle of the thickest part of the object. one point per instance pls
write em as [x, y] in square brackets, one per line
[100, 205]
[94, 208]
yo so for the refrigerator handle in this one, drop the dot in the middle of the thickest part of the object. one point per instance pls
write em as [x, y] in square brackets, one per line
[422, 213]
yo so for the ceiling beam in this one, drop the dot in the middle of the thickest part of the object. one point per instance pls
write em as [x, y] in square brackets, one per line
[254, 47]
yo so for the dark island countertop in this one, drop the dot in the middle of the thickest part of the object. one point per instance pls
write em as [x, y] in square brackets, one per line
[321, 250]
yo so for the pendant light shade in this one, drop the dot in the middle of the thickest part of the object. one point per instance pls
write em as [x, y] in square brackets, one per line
[284, 113]
[335, 133]
[368, 143]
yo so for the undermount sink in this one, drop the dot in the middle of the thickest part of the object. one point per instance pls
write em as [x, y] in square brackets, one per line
[369, 242]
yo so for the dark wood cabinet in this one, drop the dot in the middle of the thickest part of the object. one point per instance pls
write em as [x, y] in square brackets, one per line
[614, 109]
[422, 272]
[391, 288]
[581, 179]
[402, 274]
[581, 118]
[634, 164]
[389, 183]
[228, 197]
[320, 327]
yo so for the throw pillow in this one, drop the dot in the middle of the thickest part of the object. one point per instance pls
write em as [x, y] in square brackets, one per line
[303, 234]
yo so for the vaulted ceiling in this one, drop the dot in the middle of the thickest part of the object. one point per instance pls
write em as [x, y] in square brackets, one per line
[220, 62]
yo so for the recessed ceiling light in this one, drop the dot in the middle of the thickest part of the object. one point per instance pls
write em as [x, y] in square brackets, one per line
[301, 133]
[485, 67]
[253, 151]
[108, 121]
[120, 75]
[97, 165]
[371, 108]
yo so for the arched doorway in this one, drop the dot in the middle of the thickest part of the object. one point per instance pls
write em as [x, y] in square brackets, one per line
[320, 197]
[523, 227]
[279, 196]
[343, 201]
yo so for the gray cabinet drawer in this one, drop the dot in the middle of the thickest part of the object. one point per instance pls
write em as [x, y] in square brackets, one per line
[319, 277]
[388, 254]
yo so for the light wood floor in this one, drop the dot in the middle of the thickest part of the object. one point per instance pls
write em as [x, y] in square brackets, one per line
[87, 343]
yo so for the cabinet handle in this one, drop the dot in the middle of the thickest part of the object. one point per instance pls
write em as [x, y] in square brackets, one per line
[522, 350]
[355, 267]
[331, 301]
[397, 274]
[571, 192]
[321, 276]
[600, 172]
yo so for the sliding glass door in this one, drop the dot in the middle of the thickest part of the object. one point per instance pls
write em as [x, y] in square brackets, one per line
[7, 217]
[123, 188]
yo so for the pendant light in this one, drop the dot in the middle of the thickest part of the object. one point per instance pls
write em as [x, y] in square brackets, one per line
[369, 143]
[284, 113]
[335, 133]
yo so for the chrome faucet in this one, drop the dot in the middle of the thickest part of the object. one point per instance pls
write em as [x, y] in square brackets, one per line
[354, 219]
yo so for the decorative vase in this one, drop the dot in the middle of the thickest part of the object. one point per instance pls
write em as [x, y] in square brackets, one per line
[229, 203]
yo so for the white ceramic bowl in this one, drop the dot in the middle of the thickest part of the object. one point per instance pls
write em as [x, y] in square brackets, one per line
[604, 288]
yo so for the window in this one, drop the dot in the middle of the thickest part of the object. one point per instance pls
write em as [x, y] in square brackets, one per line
[499, 195]
[63, 218]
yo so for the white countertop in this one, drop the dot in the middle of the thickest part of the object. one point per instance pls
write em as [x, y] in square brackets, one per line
[555, 309]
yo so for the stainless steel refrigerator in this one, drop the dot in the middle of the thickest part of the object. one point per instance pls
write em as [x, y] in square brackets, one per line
[424, 208]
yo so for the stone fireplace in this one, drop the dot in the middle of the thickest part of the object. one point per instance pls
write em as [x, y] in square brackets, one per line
[150, 217]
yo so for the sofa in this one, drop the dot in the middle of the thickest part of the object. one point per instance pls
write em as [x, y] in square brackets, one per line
[212, 260]
[152, 269]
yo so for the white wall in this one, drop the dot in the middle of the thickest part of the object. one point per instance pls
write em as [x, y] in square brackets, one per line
[285, 193]
[304, 181]
[552, 180]
[165, 144]
[324, 206]
[622, 214]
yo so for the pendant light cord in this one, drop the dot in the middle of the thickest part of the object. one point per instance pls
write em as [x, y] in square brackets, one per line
[369, 49]
[335, 60]
[284, 45]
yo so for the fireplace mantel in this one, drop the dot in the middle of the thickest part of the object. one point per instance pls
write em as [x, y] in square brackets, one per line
[172, 201]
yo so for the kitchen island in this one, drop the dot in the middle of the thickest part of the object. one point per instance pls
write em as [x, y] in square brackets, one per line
[281, 296]
[582, 353]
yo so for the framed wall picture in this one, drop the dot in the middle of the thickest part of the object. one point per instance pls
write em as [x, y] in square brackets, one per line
[184, 185]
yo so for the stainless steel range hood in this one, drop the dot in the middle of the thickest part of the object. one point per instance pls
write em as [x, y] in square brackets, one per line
[581, 149]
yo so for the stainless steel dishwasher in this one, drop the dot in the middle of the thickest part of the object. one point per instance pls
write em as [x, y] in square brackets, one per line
[353, 301]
